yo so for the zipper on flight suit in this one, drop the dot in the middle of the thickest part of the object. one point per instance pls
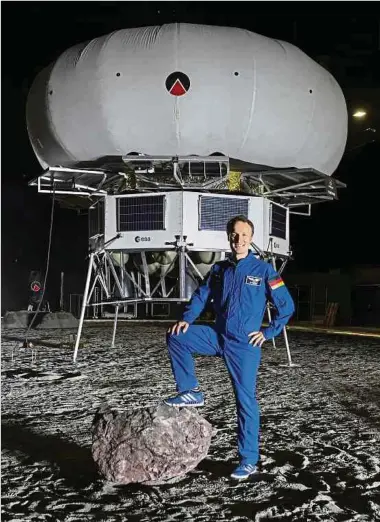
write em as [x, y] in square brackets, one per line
[232, 288]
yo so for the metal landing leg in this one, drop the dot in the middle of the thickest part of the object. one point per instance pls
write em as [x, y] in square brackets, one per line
[84, 304]
[290, 363]
[284, 332]
[115, 326]
[270, 319]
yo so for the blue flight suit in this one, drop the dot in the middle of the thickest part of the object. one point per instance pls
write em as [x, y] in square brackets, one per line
[239, 292]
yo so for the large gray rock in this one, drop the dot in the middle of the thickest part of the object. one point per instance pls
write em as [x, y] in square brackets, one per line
[43, 320]
[59, 320]
[150, 445]
[19, 319]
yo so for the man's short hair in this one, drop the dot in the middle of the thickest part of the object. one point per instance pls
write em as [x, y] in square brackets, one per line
[234, 220]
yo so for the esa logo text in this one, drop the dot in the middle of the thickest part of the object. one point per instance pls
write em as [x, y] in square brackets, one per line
[140, 238]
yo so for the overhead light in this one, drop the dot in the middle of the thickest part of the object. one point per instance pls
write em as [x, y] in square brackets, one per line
[360, 114]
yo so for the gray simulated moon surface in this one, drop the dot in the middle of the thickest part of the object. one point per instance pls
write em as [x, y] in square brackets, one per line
[320, 430]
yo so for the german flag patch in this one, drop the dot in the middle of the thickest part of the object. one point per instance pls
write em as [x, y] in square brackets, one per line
[276, 283]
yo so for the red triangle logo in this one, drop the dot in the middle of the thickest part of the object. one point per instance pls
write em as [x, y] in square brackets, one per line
[178, 89]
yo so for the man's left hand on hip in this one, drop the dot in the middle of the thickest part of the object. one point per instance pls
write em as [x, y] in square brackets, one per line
[256, 338]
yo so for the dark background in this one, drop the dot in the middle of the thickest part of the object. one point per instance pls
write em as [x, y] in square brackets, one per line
[343, 37]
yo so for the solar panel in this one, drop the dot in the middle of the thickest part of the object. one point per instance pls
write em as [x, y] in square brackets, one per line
[140, 213]
[96, 219]
[216, 212]
[278, 221]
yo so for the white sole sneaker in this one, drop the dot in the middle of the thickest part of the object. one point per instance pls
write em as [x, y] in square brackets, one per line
[185, 405]
[242, 477]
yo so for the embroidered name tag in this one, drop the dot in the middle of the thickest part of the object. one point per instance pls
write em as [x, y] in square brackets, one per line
[253, 280]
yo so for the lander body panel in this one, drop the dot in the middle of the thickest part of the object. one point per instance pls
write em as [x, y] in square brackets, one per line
[150, 222]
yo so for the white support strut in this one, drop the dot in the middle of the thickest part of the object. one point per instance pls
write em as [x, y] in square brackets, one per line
[84, 304]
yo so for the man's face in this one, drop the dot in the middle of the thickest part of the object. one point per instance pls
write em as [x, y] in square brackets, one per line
[240, 239]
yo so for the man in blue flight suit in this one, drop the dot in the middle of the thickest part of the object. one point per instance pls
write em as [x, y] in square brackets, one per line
[239, 287]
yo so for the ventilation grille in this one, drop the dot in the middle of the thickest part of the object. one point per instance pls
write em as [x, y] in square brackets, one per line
[278, 221]
[135, 214]
[215, 212]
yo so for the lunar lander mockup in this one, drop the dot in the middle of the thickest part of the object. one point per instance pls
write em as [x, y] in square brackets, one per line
[165, 133]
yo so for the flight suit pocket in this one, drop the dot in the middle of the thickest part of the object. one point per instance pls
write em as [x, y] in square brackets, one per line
[252, 290]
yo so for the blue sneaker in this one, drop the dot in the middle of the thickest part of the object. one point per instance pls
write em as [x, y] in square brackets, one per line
[186, 398]
[243, 471]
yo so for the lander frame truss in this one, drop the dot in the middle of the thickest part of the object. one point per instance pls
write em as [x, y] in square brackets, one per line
[290, 187]
[101, 270]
